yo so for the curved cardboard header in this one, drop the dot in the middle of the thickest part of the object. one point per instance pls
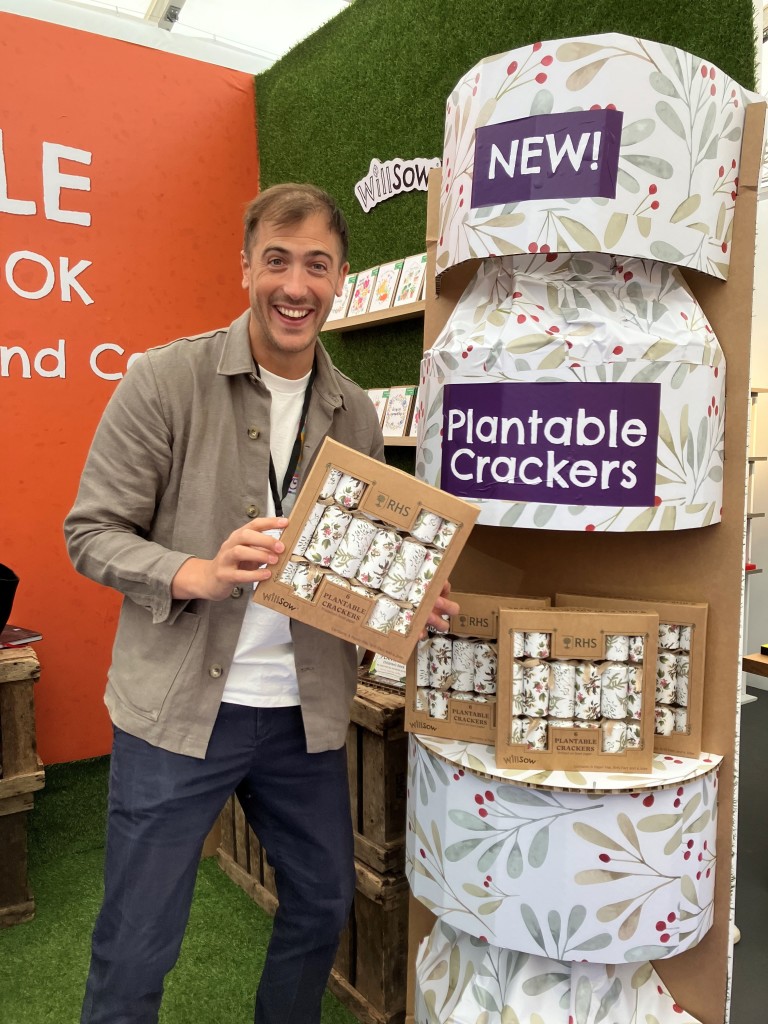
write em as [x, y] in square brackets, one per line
[576, 394]
[603, 143]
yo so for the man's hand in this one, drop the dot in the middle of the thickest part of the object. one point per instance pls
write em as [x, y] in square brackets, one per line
[441, 610]
[244, 558]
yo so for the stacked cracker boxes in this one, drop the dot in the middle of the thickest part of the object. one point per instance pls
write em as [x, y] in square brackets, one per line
[592, 684]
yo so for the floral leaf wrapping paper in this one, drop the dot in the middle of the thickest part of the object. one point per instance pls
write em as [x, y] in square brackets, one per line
[461, 979]
[587, 319]
[677, 174]
[635, 868]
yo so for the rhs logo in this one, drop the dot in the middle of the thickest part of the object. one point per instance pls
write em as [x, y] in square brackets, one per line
[579, 642]
[466, 621]
[384, 503]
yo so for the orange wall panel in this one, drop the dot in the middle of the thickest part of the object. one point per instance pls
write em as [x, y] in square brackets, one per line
[166, 150]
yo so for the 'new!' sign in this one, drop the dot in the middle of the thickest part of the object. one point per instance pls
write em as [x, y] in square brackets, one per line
[547, 156]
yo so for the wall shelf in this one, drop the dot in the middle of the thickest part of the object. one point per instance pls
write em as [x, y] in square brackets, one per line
[408, 311]
[756, 664]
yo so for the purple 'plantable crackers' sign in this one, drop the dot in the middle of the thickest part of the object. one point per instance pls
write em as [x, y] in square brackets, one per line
[547, 156]
[560, 444]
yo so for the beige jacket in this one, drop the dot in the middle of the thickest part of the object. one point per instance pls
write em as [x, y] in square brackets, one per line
[181, 459]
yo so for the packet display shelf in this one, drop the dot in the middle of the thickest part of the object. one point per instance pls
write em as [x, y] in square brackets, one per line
[408, 311]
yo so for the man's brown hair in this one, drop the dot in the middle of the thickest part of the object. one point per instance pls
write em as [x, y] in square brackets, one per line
[290, 203]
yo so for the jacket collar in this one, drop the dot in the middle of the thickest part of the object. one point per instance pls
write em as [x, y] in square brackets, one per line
[236, 357]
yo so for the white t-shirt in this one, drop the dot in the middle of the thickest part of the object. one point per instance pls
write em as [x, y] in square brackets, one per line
[263, 672]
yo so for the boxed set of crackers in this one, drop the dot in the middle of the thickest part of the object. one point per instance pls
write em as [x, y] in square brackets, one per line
[367, 550]
[575, 690]
[451, 677]
[679, 674]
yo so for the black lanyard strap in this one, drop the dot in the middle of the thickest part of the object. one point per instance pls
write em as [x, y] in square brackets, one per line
[278, 495]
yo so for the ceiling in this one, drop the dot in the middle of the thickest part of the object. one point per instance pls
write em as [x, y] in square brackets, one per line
[256, 33]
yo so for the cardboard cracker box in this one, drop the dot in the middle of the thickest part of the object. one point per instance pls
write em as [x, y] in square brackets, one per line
[682, 638]
[575, 690]
[367, 551]
[464, 714]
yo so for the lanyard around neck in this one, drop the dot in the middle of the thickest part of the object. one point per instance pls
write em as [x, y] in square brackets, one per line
[279, 494]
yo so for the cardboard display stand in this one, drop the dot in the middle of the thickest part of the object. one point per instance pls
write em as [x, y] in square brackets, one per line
[578, 384]
[703, 565]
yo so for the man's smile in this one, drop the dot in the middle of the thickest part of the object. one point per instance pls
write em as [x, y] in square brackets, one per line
[293, 314]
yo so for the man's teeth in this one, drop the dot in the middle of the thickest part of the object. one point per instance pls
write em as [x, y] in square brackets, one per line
[293, 314]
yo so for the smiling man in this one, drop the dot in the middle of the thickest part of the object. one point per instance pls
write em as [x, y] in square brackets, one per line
[292, 273]
[190, 476]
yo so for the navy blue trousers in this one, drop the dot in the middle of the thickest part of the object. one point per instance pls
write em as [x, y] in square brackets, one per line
[162, 806]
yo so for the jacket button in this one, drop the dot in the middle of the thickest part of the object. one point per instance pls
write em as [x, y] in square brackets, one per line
[252, 511]
[215, 671]
[253, 433]
[236, 591]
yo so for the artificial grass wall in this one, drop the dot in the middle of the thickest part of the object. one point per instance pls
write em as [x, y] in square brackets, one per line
[373, 83]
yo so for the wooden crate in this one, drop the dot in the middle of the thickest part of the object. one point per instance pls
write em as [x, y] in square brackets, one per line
[370, 969]
[19, 669]
[369, 972]
[243, 858]
[16, 902]
[21, 773]
[377, 758]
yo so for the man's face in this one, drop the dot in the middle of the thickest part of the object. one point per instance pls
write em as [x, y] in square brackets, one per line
[292, 275]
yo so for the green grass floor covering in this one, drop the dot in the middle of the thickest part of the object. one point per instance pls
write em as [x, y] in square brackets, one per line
[43, 963]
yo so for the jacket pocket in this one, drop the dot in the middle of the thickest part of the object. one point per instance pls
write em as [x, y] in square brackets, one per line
[148, 658]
